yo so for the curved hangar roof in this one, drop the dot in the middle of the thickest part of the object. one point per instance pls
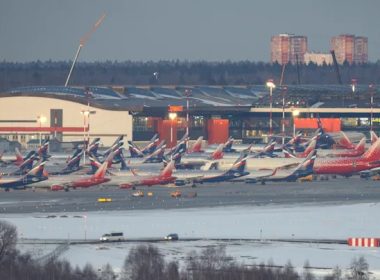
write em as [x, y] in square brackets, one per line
[140, 98]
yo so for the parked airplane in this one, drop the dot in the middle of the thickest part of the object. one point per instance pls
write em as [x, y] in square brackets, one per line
[237, 170]
[119, 142]
[350, 165]
[196, 147]
[304, 154]
[72, 164]
[344, 142]
[152, 146]
[165, 177]
[180, 146]
[305, 168]
[195, 161]
[358, 150]
[26, 165]
[19, 160]
[93, 147]
[135, 152]
[36, 174]
[43, 149]
[87, 181]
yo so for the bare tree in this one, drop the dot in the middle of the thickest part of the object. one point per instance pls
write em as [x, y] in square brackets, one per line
[171, 271]
[359, 268]
[288, 271]
[307, 275]
[107, 273]
[8, 238]
[144, 263]
[335, 275]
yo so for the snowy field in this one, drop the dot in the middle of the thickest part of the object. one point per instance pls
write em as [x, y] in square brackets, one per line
[264, 222]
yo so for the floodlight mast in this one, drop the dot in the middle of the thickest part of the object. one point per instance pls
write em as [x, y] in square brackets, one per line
[82, 41]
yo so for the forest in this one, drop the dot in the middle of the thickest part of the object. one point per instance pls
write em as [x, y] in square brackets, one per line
[177, 72]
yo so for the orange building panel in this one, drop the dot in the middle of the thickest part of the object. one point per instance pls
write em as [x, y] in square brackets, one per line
[175, 108]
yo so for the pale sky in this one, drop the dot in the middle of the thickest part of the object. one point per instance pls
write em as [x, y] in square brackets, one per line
[212, 30]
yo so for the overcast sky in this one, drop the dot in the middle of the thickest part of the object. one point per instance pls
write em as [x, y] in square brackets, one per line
[210, 30]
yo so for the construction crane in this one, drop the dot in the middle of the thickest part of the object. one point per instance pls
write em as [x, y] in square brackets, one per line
[82, 42]
[336, 67]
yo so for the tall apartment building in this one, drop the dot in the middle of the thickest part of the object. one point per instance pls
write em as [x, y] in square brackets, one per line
[288, 48]
[349, 48]
[361, 50]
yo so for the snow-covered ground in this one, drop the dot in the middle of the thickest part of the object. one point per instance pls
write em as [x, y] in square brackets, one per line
[316, 222]
[264, 222]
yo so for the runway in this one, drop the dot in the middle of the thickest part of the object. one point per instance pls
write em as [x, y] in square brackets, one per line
[334, 191]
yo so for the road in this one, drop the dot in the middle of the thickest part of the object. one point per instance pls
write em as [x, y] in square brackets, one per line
[334, 191]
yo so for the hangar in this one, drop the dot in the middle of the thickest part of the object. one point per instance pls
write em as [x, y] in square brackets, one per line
[215, 112]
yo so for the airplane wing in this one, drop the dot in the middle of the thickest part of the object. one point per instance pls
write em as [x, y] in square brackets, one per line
[256, 176]
[369, 173]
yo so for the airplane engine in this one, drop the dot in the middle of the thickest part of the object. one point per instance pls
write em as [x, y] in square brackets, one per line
[125, 186]
[55, 188]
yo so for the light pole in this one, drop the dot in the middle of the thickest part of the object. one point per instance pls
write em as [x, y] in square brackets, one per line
[295, 114]
[271, 86]
[85, 114]
[187, 94]
[41, 119]
[371, 92]
[88, 94]
[172, 117]
[284, 89]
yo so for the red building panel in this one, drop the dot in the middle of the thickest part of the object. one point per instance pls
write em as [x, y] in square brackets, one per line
[217, 131]
[167, 129]
[329, 125]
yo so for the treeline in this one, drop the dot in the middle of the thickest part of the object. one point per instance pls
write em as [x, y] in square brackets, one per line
[145, 262]
[179, 73]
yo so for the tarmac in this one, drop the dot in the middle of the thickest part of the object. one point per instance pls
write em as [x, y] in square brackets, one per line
[334, 191]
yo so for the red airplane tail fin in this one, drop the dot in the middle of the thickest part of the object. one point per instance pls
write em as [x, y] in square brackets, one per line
[373, 153]
[19, 158]
[310, 148]
[218, 153]
[360, 147]
[288, 154]
[197, 147]
[101, 172]
[168, 170]
[345, 142]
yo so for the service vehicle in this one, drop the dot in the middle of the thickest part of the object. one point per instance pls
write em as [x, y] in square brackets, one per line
[172, 236]
[113, 236]
[104, 199]
[176, 194]
[138, 194]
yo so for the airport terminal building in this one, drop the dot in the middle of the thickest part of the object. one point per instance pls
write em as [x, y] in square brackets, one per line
[215, 112]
